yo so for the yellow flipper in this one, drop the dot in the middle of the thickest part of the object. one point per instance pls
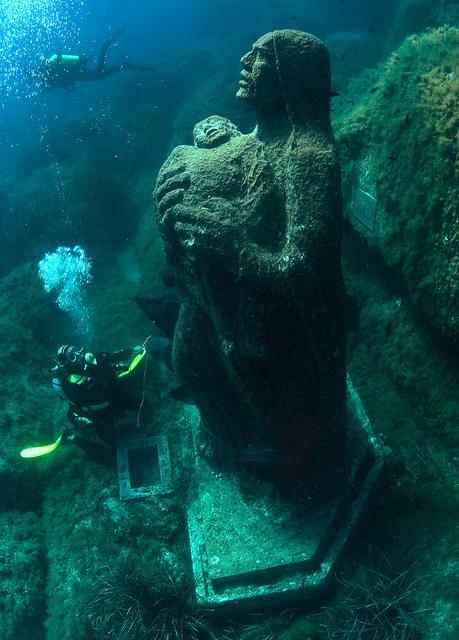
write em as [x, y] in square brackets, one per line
[137, 360]
[35, 452]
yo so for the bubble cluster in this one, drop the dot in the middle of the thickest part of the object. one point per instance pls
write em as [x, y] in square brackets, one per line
[67, 272]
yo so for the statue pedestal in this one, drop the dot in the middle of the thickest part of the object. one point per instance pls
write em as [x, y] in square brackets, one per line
[252, 547]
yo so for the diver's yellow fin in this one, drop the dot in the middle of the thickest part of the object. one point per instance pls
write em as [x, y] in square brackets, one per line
[137, 360]
[35, 452]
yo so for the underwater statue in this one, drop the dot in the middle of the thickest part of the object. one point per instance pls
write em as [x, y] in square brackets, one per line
[252, 225]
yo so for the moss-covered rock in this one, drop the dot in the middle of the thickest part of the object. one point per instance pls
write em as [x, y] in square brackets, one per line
[27, 315]
[399, 146]
[104, 554]
[22, 576]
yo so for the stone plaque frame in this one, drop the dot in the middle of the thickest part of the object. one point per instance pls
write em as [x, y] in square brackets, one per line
[157, 478]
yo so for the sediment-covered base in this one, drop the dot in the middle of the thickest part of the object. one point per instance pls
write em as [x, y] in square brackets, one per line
[251, 545]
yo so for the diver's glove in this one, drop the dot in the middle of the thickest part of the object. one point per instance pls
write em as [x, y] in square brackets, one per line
[78, 420]
[67, 436]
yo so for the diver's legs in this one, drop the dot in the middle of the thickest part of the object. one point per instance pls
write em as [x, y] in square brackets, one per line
[104, 425]
[96, 450]
[101, 70]
[124, 66]
[102, 59]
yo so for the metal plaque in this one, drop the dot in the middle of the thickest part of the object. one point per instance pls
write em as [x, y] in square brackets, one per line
[364, 209]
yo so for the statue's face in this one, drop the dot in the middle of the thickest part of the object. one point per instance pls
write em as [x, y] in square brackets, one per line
[259, 84]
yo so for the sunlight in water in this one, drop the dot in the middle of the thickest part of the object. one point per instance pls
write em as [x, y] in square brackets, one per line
[28, 31]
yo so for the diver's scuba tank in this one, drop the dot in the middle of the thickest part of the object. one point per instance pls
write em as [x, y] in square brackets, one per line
[66, 60]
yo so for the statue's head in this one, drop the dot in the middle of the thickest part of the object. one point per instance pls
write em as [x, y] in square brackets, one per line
[288, 70]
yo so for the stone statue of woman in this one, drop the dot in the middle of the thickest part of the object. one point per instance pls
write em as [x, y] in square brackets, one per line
[252, 225]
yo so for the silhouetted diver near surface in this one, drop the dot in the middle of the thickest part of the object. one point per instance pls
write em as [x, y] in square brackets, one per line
[61, 71]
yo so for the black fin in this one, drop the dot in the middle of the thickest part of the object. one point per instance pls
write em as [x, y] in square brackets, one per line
[162, 306]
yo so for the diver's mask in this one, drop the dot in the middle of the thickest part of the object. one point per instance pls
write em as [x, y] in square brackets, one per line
[67, 354]
[75, 358]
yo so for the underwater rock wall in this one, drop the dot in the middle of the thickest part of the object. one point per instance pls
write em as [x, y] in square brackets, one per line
[397, 144]
[399, 147]
[409, 387]
[414, 16]
[70, 552]
[23, 414]
[66, 205]
[22, 576]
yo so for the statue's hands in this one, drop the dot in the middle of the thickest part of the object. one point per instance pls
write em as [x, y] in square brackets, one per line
[200, 231]
[192, 230]
[170, 192]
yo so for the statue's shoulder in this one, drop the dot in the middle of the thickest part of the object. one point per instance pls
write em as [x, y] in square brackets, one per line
[178, 156]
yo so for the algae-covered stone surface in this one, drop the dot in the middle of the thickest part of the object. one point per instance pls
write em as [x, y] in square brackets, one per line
[400, 146]
[22, 574]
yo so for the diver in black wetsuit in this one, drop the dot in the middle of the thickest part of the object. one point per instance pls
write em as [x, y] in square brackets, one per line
[63, 70]
[91, 383]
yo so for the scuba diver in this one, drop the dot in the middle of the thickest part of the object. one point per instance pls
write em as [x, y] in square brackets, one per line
[91, 384]
[63, 70]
